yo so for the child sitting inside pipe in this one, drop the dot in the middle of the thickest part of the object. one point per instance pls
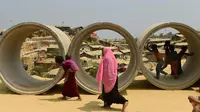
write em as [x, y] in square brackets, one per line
[159, 58]
[173, 56]
[180, 56]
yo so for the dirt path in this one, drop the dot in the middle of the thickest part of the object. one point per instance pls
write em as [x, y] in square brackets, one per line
[142, 96]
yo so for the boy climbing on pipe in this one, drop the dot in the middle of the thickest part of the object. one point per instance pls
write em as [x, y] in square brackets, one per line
[160, 61]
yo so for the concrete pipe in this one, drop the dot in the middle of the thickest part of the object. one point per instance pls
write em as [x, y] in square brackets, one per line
[191, 66]
[13, 74]
[87, 82]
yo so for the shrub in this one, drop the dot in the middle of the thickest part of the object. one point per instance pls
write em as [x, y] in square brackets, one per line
[37, 70]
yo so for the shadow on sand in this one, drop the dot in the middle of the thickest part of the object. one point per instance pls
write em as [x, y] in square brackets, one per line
[89, 107]
[144, 84]
[95, 106]
[58, 99]
[57, 89]
[141, 84]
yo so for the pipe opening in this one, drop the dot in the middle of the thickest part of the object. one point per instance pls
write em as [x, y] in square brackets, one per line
[88, 82]
[91, 51]
[13, 73]
[37, 55]
[190, 68]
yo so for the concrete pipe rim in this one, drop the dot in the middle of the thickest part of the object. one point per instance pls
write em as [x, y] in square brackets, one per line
[190, 35]
[134, 64]
[8, 82]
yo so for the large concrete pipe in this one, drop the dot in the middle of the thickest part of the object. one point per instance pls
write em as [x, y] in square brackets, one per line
[87, 82]
[191, 67]
[13, 74]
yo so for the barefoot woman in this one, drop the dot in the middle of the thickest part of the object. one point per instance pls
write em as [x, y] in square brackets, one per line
[107, 75]
[70, 88]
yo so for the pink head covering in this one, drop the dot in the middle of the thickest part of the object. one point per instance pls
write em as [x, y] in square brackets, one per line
[107, 72]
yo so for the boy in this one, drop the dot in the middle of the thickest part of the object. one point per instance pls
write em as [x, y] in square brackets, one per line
[180, 56]
[166, 47]
[173, 56]
[159, 59]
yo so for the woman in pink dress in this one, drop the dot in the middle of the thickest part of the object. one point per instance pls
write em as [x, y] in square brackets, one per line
[107, 75]
[70, 88]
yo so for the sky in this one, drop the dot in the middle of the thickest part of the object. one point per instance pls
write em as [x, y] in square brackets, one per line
[134, 15]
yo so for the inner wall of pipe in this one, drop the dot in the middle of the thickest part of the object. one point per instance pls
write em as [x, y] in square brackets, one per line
[190, 68]
[13, 74]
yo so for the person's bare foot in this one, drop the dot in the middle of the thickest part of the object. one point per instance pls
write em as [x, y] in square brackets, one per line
[100, 97]
[62, 98]
[79, 99]
[124, 106]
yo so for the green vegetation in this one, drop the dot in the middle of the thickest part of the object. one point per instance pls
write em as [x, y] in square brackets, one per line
[93, 70]
[90, 40]
[37, 70]
[49, 55]
[49, 75]
[41, 71]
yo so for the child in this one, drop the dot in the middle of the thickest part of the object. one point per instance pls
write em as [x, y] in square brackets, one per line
[166, 47]
[180, 55]
[70, 88]
[159, 59]
[173, 56]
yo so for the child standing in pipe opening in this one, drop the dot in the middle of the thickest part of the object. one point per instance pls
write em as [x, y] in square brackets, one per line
[70, 88]
[167, 60]
[180, 56]
[160, 61]
[173, 56]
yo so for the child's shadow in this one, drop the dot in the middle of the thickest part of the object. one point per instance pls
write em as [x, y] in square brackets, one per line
[95, 106]
[58, 100]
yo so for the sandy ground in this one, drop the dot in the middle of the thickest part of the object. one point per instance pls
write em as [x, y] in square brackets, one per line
[142, 96]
